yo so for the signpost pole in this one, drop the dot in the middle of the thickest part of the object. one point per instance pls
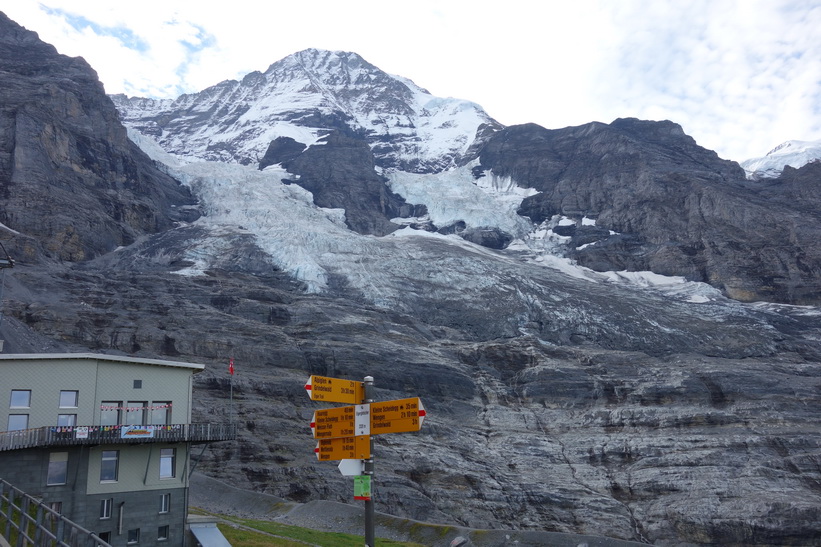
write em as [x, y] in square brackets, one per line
[368, 464]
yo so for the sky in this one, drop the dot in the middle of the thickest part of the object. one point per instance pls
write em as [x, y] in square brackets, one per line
[740, 76]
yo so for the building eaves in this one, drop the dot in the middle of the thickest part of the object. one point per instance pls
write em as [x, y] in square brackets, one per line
[196, 367]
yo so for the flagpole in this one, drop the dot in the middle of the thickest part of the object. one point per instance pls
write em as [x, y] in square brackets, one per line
[231, 400]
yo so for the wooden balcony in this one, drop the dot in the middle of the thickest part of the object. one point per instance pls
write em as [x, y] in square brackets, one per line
[122, 434]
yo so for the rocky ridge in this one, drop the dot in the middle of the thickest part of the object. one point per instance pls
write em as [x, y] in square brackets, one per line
[556, 403]
[662, 203]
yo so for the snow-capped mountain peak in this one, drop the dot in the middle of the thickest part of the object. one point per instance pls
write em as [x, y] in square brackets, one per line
[793, 153]
[304, 96]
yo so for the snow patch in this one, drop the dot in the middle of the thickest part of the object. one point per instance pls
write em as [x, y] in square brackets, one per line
[793, 153]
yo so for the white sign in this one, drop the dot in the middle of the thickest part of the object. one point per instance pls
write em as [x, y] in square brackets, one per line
[81, 432]
[362, 424]
[351, 468]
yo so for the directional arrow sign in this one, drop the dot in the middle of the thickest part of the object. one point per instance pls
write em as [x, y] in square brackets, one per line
[397, 416]
[335, 390]
[334, 422]
[343, 421]
[351, 468]
[345, 448]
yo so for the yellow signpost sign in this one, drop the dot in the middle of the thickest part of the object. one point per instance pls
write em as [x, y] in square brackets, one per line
[344, 448]
[335, 390]
[344, 433]
[331, 423]
[397, 416]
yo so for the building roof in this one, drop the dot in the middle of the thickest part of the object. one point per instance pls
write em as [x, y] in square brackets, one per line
[196, 367]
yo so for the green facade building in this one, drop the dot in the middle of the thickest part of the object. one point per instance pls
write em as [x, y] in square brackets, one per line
[104, 440]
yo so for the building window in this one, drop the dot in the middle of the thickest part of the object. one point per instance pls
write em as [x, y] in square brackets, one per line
[109, 465]
[168, 457]
[135, 413]
[106, 506]
[18, 422]
[133, 536]
[162, 533]
[161, 413]
[110, 412]
[105, 536]
[68, 399]
[20, 398]
[57, 468]
[64, 420]
[138, 384]
[165, 503]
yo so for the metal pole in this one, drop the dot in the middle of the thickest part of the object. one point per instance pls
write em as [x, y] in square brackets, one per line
[369, 509]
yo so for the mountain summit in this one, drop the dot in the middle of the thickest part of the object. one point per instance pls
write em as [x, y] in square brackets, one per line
[303, 97]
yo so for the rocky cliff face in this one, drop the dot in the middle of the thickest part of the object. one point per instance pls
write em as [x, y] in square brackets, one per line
[73, 185]
[664, 204]
[558, 398]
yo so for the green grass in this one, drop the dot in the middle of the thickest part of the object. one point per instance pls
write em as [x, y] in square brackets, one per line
[283, 535]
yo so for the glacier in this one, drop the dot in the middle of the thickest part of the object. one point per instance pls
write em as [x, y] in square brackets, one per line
[312, 243]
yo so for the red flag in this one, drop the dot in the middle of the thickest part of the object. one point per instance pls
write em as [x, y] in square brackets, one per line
[231, 366]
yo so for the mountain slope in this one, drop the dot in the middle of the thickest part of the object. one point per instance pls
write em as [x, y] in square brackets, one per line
[631, 195]
[559, 398]
[791, 153]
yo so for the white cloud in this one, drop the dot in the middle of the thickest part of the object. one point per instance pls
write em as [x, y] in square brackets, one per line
[740, 76]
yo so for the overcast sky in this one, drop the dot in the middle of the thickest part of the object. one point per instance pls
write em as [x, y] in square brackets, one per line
[740, 76]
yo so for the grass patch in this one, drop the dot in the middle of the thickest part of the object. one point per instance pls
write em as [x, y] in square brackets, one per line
[284, 535]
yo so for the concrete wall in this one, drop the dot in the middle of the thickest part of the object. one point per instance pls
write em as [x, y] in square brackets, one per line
[139, 468]
[139, 510]
[45, 379]
[115, 382]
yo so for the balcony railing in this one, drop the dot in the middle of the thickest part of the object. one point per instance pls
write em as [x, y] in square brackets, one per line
[118, 434]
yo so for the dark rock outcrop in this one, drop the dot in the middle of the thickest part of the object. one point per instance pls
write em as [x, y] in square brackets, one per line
[340, 173]
[280, 150]
[678, 209]
[72, 185]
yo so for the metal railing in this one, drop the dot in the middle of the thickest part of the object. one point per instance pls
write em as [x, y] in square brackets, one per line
[25, 521]
[95, 435]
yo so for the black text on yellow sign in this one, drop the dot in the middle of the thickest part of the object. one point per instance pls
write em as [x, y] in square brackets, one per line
[343, 421]
[335, 390]
[332, 423]
[344, 448]
[397, 416]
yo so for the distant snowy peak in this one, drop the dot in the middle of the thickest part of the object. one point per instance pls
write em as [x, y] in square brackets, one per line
[793, 153]
[304, 96]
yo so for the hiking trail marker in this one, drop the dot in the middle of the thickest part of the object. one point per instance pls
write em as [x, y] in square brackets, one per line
[344, 433]
[335, 390]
